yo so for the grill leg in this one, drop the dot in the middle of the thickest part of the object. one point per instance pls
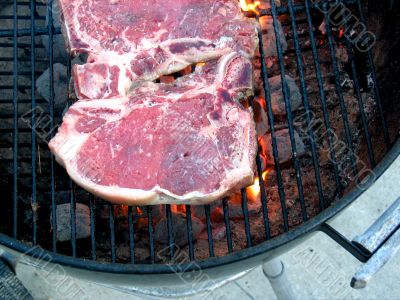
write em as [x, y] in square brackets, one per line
[274, 270]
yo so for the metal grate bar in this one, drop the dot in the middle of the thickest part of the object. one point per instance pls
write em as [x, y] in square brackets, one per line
[308, 112]
[21, 17]
[22, 60]
[25, 101]
[323, 100]
[73, 218]
[339, 92]
[10, 115]
[246, 218]
[21, 145]
[24, 73]
[112, 233]
[131, 220]
[33, 124]
[27, 32]
[263, 199]
[227, 225]
[20, 45]
[357, 92]
[21, 86]
[377, 97]
[72, 189]
[285, 90]
[21, 3]
[151, 237]
[92, 205]
[15, 122]
[207, 210]
[267, 94]
[20, 130]
[296, 8]
[189, 231]
[23, 159]
[170, 230]
[51, 90]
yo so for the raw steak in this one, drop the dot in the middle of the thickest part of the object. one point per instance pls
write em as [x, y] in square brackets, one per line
[186, 142]
[127, 40]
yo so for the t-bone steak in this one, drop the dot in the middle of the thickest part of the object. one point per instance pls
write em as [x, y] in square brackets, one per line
[128, 41]
[186, 142]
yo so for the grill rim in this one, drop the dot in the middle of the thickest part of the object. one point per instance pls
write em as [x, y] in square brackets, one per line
[308, 227]
[207, 263]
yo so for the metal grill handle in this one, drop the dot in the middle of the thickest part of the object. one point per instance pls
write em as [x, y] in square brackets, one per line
[375, 247]
[379, 231]
[382, 241]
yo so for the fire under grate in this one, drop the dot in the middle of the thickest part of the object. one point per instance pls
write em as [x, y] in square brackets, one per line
[339, 105]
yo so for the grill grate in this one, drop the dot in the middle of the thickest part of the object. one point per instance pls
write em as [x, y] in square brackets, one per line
[24, 35]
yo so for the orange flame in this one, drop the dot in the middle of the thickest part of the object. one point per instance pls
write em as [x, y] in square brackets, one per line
[263, 144]
[249, 6]
[254, 190]
[262, 102]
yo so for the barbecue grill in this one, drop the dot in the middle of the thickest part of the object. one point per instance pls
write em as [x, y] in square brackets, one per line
[33, 185]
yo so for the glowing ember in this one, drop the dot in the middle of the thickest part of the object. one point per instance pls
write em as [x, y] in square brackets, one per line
[249, 6]
[178, 208]
[120, 211]
[124, 209]
[139, 211]
[254, 190]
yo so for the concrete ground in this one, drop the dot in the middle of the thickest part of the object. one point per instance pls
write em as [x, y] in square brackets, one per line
[317, 269]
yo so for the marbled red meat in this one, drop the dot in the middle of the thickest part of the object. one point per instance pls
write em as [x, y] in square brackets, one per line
[186, 142]
[127, 40]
